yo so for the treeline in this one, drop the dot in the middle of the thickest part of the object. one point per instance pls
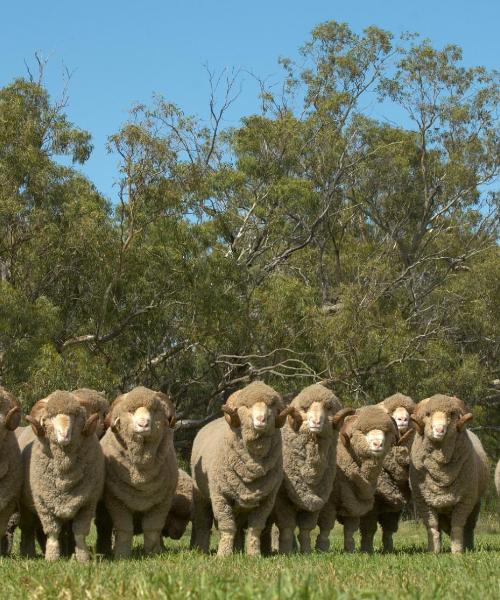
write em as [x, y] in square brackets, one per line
[311, 242]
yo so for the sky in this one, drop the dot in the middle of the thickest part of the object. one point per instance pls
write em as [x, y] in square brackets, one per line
[121, 51]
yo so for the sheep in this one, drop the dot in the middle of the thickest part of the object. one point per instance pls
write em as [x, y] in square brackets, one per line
[64, 475]
[364, 441]
[448, 472]
[11, 471]
[393, 488]
[141, 467]
[236, 465]
[309, 454]
[93, 402]
[497, 478]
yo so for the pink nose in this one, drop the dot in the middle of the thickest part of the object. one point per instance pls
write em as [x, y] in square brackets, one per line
[260, 418]
[439, 429]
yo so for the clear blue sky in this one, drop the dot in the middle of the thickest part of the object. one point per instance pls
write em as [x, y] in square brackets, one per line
[121, 51]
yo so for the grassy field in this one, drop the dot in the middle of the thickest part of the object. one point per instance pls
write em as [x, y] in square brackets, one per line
[179, 573]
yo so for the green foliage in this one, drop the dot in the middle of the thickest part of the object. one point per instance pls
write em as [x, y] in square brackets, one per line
[309, 242]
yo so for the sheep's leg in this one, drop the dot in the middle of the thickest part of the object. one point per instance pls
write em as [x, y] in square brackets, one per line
[226, 542]
[431, 521]
[52, 529]
[27, 524]
[257, 520]
[326, 522]
[266, 539]
[458, 522]
[239, 540]
[253, 541]
[286, 540]
[305, 541]
[202, 522]
[306, 521]
[104, 527]
[123, 524]
[81, 529]
[351, 525]
[368, 528]
[390, 523]
[152, 525]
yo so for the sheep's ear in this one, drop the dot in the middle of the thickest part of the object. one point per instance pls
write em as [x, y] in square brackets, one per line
[419, 426]
[36, 425]
[90, 425]
[295, 419]
[463, 420]
[344, 436]
[172, 420]
[404, 437]
[13, 418]
[383, 407]
[338, 419]
[231, 416]
[280, 419]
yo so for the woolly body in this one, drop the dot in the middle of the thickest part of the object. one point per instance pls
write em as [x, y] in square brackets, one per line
[393, 486]
[448, 477]
[11, 472]
[355, 483]
[308, 470]
[141, 472]
[61, 483]
[236, 472]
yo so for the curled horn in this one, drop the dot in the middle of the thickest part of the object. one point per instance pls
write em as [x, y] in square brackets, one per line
[36, 425]
[463, 420]
[282, 415]
[344, 433]
[90, 425]
[419, 426]
[404, 437]
[295, 419]
[12, 418]
[337, 420]
[231, 415]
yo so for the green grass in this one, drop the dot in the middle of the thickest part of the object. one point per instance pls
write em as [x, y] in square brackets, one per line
[179, 573]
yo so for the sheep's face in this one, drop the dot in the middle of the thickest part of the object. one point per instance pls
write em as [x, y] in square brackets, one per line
[316, 417]
[402, 418]
[373, 443]
[262, 416]
[375, 440]
[141, 421]
[60, 428]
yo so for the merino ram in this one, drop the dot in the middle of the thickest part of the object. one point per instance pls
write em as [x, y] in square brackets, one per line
[64, 475]
[448, 472]
[11, 471]
[236, 465]
[393, 486]
[141, 467]
[364, 442]
[309, 457]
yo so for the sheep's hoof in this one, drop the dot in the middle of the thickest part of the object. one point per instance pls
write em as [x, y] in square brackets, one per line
[82, 556]
[322, 544]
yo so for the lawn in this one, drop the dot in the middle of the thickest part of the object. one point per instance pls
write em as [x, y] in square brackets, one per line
[179, 573]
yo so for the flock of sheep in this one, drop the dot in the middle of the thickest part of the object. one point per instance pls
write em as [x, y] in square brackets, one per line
[264, 464]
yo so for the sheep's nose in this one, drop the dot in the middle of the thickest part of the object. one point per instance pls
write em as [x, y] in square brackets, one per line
[439, 429]
[377, 443]
[260, 418]
[144, 422]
